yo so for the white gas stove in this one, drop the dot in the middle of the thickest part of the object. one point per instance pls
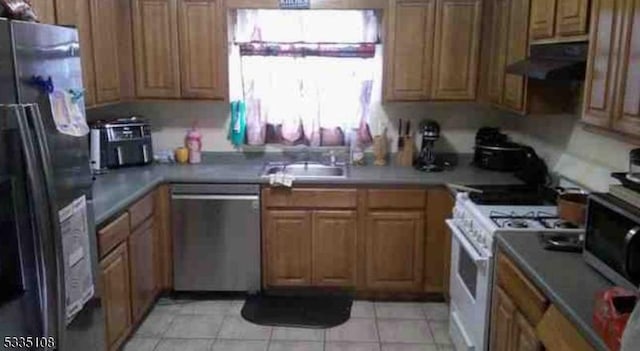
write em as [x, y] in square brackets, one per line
[473, 229]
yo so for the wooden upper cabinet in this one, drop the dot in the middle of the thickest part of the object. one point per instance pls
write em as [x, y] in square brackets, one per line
[410, 53]
[45, 10]
[78, 13]
[572, 17]
[288, 248]
[395, 250]
[602, 64]
[457, 49]
[543, 16]
[334, 238]
[142, 252]
[497, 50]
[116, 299]
[627, 109]
[104, 21]
[516, 50]
[155, 27]
[200, 27]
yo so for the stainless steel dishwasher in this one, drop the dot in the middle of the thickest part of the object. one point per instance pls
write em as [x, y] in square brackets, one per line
[216, 237]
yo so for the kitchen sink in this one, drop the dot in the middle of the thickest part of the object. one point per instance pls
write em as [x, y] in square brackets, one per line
[306, 170]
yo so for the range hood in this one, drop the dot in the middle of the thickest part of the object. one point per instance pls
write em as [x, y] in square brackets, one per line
[553, 62]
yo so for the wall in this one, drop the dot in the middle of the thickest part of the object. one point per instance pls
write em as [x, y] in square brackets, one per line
[579, 155]
[170, 120]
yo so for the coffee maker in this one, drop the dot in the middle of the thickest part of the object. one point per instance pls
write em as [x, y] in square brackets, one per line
[426, 160]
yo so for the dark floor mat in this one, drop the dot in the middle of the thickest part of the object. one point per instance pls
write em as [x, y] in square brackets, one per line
[310, 311]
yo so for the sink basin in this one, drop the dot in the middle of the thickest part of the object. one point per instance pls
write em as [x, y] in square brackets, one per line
[306, 170]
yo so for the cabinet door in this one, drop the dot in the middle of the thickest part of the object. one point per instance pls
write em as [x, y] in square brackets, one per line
[200, 27]
[524, 335]
[457, 48]
[497, 50]
[602, 63]
[410, 54]
[438, 241]
[502, 321]
[627, 114]
[395, 250]
[104, 15]
[543, 15]
[572, 17]
[116, 298]
[77, 13]
[288, 248]
[155, 30]
[142, 250]
[45, 10]
[334, 236]
[517, 46]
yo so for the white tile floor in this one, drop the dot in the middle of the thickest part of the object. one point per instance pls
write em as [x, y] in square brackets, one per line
[178, 325]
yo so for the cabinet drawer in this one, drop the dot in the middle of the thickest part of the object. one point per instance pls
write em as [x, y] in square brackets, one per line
[524, 294]
[409, 198]
[113, 234]
[141, 210]
[557, 333]
[310, 198]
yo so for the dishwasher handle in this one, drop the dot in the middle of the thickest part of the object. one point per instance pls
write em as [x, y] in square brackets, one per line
[215, 197]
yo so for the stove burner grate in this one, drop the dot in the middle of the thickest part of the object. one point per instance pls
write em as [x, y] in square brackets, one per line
[526, 220]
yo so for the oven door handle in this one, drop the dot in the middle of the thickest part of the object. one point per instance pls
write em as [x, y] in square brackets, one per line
[629, 239]
[477, 258]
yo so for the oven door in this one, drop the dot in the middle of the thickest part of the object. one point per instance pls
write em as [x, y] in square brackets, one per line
[470, 283]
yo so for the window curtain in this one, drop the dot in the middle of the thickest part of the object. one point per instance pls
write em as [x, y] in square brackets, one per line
[307, 76]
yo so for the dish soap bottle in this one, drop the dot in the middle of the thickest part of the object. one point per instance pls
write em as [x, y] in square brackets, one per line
[194, 144]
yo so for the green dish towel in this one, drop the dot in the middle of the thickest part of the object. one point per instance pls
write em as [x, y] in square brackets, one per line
[238, 125]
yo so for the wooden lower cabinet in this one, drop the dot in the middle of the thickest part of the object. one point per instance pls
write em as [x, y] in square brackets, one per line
[377, 241]
[502, 314]
[288, 248]
[510, 330]
[334, 240]
[116, 295]
[524, 335]
[395, 250]
[142, 258]
[437, 252]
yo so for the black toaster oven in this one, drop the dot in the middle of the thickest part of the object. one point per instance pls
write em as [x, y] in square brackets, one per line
[121, 143]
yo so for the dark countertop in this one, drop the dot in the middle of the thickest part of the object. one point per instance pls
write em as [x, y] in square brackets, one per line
[114, 191]
[564, 278]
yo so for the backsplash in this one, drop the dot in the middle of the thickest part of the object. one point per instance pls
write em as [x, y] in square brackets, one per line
[570, 151]
[170, 121]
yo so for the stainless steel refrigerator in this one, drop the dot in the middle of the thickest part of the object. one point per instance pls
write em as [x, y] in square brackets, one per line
[44, 174]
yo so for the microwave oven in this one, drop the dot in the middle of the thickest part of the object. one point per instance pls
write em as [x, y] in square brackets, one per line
[612, 239]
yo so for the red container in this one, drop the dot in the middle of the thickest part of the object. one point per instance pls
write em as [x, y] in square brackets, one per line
[611, 313]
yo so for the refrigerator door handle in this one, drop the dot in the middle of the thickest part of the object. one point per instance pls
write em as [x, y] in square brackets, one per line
[44, 241]
[33, 113]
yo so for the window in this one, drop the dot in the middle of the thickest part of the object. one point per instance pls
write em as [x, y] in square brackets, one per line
[306, 77]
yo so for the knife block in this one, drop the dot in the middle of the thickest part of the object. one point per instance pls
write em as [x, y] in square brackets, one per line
[404, 157]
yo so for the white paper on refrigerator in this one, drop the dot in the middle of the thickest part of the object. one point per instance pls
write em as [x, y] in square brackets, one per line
[78, 275]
